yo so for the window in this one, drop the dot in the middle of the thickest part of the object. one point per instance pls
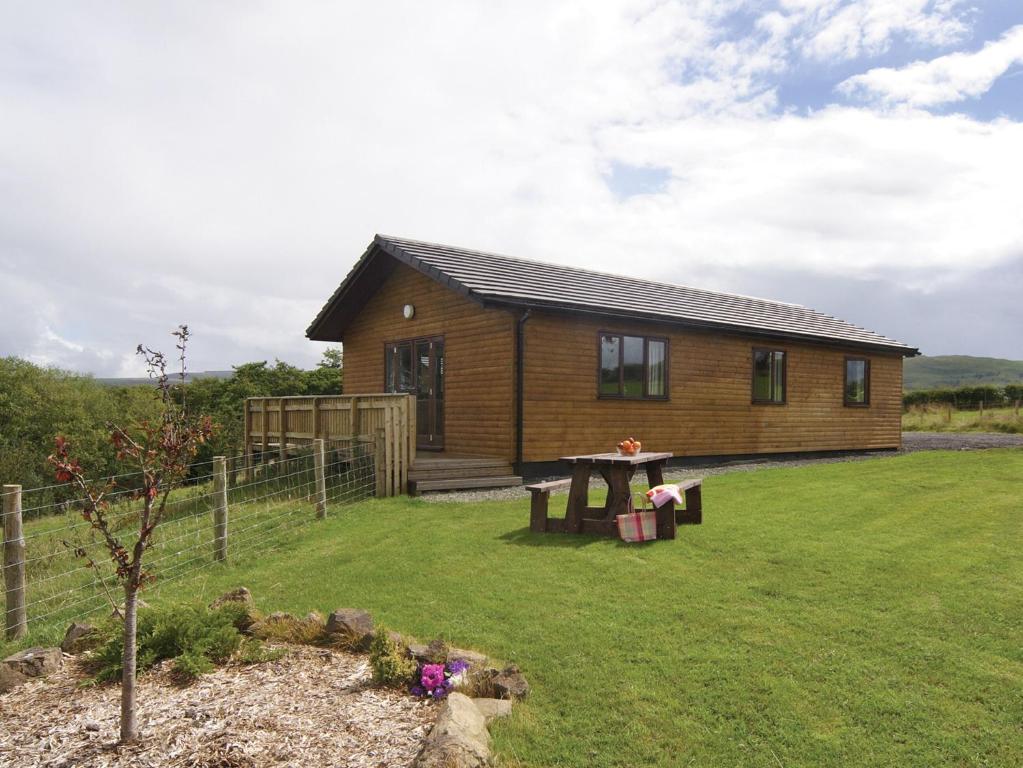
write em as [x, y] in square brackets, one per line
[769, 376]
[857, 381]
[633, 367]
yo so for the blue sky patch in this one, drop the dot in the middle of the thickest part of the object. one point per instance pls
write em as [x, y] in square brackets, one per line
[630, 180]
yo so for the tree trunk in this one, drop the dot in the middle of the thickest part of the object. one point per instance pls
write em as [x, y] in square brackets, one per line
[129, 728]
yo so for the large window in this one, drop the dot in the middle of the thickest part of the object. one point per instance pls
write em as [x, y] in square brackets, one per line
[769, 376]
[633, 367]
[857, 381]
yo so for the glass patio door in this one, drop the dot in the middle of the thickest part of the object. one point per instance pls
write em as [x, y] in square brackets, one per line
[417, 366]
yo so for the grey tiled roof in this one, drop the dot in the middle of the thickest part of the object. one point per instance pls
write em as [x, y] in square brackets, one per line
[504, 280]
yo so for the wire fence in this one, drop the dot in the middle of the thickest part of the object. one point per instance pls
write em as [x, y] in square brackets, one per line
[65, 566]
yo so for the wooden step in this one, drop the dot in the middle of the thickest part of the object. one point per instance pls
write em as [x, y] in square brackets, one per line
[456, 462]
[447, 473]
[465, 483]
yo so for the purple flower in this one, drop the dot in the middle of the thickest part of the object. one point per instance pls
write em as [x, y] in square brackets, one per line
[432, 675]
[418, 690]
[439, 692]
[457, 667]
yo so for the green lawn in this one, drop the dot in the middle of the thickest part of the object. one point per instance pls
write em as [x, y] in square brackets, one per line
[862, 613]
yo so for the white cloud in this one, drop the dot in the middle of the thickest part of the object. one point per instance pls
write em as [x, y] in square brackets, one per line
[943, 80]
[226, 169]
[828, 29]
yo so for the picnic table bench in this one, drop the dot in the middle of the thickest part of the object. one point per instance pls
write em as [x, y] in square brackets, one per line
[617, 472]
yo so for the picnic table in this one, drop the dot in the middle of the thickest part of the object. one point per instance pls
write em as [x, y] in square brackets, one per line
[617, 471]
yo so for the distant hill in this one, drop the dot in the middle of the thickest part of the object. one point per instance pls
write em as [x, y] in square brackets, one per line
[945, 371]
[188, 377]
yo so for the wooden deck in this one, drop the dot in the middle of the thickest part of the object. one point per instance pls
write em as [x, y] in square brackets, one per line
[452, 472]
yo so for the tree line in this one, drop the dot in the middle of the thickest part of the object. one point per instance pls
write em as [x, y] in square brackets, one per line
[37, 403]
[966, 398]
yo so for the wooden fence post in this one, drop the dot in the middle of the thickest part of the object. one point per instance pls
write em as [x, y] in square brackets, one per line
[247, 449]
[380, 462]
[282, 442]
[319, 466]
[16, 620]
[219, 508]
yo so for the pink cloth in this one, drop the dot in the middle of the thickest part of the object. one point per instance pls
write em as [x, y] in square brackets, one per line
[661, 494]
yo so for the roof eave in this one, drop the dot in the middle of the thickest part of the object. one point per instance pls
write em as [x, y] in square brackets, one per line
[729, 328]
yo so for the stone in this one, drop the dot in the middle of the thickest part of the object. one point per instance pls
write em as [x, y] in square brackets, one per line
[491, 709]
[353, 627]
[92, 726]
[35, 662]
[459, 738]
[314, 617]
[437, 652]
[10, 678]
[243, 597]
[280, 617]
[474, 659]
[79, 637]
[510, 683]
[240, 595]
[419, 651]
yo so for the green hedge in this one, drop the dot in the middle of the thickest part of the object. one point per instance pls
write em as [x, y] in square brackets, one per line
[966, 398]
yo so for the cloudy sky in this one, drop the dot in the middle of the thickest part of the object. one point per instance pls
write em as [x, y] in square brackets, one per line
[224, 164]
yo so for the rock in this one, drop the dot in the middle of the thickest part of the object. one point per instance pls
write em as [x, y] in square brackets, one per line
[437, 652]
[10, 678]
[79, 637]
[35, 662]
[240, 595]
[509, 683]
[91, 725]
[280, 617]
[419, 651]
[493, 708]
[459, 738]
[314, 617]
[474, 659]
[353, 627]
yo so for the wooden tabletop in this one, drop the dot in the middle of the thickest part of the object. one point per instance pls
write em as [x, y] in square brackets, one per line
[614, 458]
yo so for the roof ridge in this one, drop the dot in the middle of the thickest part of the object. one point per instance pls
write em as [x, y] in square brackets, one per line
[617, 276]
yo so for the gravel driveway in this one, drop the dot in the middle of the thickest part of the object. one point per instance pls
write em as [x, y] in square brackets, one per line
[911, 442]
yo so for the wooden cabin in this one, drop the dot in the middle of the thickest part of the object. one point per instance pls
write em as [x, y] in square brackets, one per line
[516, 363]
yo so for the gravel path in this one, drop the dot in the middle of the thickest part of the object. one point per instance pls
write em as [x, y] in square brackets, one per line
[911, 442]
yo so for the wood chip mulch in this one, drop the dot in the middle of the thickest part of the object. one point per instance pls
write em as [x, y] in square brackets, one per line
[313, 707]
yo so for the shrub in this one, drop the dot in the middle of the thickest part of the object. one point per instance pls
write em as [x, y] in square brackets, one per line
[286, 628]
[254, 652]
[193, 635]
[391, 662]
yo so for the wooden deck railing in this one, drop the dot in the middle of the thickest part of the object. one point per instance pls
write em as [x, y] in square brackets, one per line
[275, 424]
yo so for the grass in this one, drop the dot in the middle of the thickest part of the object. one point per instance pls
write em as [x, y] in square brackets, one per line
[939, 418]
[862, 613]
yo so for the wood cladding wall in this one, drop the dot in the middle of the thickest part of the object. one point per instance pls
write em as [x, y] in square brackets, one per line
[479, 348]
[708, 411]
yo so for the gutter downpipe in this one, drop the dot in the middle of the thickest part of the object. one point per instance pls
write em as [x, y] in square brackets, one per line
[520, 378]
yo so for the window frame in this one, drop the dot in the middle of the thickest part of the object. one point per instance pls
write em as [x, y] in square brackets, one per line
[646, 366]
[866, 381]
[784, 376]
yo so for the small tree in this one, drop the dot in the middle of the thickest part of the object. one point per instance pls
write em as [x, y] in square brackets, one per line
[159, 451]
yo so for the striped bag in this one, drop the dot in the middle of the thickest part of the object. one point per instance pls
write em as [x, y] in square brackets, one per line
[637, 526]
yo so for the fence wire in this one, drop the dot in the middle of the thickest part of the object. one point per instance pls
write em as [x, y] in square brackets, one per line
[265, 504]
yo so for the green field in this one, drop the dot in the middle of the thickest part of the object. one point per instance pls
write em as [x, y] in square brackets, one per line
[941, 418]
[862, 613]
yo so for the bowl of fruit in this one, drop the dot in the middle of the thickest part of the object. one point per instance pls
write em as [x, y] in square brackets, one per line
[630, 446]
